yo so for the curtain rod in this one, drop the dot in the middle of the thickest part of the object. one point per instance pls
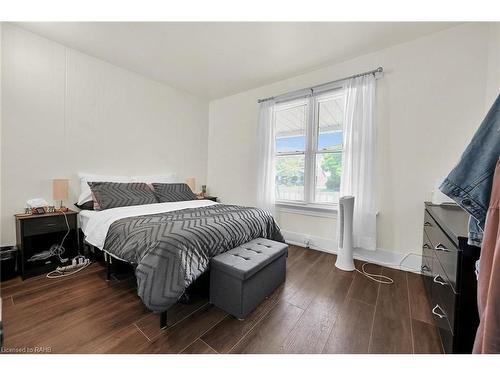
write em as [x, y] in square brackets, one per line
[378, 70]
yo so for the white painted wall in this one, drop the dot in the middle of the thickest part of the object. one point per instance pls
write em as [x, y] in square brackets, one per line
[493, 81]
[429, 105]
[66, 112]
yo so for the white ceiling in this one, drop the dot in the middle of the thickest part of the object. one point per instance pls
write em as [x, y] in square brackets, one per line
[213, 60]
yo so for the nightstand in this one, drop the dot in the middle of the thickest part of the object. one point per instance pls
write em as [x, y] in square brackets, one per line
[37, 233]
[210, 198]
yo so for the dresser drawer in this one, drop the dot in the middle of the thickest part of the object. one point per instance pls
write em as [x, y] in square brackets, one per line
[47, 224]
[443, 298]
[444, 248]
[428, 256]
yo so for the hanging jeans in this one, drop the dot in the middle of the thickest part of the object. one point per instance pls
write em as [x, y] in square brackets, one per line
[469, 183]
[488, 285]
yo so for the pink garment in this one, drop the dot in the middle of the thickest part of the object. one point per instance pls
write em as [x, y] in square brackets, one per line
[488, 285]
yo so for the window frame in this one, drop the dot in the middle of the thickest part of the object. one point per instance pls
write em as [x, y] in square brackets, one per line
[311, 151]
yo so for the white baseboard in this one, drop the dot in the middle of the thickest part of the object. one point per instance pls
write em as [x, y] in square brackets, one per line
[383, 257]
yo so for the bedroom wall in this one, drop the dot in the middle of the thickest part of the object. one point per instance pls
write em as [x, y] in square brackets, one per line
[429, 104]
[493, 81]
[66, 112]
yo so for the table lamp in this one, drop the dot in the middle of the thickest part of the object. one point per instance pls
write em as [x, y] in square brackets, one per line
[191, 182]
[60, 192]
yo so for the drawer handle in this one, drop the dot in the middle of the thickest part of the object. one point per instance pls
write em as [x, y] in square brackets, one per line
[441, 247]
[439, 280]
[427, 224]
[426, 246]
[441, 316]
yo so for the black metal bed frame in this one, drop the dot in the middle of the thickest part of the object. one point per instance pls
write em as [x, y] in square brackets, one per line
[109, 271]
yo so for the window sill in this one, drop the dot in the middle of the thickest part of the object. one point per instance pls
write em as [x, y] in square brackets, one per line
[319, 210]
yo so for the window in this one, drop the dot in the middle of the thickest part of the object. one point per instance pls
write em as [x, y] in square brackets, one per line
[309, 149]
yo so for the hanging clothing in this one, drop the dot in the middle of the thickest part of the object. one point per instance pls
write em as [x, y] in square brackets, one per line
[469, 183]
[358, 159]
[488, 293]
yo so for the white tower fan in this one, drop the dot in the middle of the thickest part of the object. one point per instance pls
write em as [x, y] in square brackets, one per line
[345, 260]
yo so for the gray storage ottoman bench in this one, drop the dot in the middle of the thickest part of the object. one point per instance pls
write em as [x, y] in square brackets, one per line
[241, 278]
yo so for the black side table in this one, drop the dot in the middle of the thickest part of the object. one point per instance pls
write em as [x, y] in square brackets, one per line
[35, 234]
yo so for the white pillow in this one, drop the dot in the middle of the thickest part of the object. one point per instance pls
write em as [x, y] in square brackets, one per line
[159, 179]
[85, 194]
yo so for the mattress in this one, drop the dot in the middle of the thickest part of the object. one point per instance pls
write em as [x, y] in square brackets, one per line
[95, 224]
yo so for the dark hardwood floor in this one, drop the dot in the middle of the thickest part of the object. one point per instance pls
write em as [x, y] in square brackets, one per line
[319, 309]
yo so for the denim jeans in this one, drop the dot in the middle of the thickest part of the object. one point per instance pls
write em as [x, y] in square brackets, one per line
[469, 183]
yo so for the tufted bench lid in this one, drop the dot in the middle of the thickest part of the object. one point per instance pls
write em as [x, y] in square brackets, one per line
[246, 260]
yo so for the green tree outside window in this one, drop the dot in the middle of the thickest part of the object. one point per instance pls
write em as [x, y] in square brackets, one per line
[332, 166]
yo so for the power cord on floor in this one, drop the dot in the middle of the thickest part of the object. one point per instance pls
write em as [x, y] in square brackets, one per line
[77, 264]
[382, 279]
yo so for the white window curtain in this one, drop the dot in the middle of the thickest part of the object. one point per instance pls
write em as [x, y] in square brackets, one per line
[358, 162]
[266, 190]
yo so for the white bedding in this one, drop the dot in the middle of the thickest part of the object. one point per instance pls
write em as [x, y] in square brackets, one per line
[83, 218]
[95, 224]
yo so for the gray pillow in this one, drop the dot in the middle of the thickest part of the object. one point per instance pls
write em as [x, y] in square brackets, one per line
[173, 192]
[118, 194]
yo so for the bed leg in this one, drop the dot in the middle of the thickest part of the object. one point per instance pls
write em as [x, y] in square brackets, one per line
[185, 298]
[107, 258]
[163, 320]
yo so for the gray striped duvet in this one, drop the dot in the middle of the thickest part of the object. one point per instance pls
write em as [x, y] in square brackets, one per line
[172, 249]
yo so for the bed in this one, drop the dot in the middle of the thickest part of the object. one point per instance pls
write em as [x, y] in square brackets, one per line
[170, 244]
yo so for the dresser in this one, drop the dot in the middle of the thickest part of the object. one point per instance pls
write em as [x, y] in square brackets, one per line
[448, 270]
